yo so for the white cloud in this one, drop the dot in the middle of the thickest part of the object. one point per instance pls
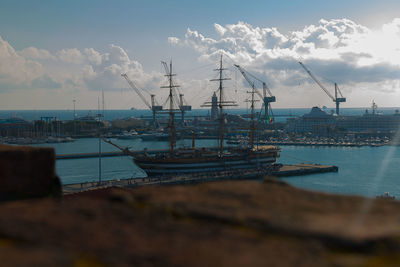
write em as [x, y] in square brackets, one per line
[358, 58]
[173, 40]
[72, 55]
[34, 53]
[338, 49]
[327, 40]
[45, 82]
[71, 70]
[116, 61]
[219, 29]
[15, 69]
[93, 56]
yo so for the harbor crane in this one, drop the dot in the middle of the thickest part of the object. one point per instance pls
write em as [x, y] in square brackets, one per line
[153, 106]
[183, 107]
[335, 98]
[267, 99]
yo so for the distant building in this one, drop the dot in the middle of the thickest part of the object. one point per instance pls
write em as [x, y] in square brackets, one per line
[370, 123]
[316, 119]
[15, 127]
[320, 122]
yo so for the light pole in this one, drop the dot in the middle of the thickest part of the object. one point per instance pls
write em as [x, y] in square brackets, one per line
[99, 132]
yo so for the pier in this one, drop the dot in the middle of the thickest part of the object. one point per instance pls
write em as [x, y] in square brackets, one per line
[304, 169]
[112, 153]
[279, 171]
[106, 154]
[90, 155]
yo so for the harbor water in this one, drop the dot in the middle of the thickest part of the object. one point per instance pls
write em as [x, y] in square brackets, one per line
[367, 171]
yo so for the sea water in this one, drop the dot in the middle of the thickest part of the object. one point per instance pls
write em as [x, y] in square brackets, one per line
[88, 169]
[367, 171]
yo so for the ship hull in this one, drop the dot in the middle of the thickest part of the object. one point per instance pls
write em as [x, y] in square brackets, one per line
[154, 166]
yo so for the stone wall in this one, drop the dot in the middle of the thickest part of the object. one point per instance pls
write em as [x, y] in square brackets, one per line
[27, 172]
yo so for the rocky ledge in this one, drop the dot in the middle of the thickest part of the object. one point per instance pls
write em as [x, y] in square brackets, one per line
[211, 224]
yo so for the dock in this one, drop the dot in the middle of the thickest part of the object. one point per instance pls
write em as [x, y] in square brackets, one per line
[90, 155]
[304, 169]
[281, 171]
[113, 153]
[106, 154]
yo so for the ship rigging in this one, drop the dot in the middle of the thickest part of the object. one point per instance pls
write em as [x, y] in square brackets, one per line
[194, 160]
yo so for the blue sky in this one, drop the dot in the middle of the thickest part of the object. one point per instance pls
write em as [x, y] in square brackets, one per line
[142, 28]
[53, 24]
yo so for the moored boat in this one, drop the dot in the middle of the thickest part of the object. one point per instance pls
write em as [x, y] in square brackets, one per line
[132, 134]
[205, 160]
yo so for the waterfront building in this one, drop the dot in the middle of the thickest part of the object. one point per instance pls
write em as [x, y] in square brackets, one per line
[319, 122]
[15, 127]
[378, 123]
[317, 119]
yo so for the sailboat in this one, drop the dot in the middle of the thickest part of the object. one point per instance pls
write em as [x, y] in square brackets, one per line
[202, 160]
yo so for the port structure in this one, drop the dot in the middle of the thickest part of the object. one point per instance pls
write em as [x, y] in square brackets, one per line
[335, 98]
[183, 107]
[154, 107]
[267, 98]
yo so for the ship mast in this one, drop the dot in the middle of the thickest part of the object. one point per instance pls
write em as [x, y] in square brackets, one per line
[171, 110]
[221, 104]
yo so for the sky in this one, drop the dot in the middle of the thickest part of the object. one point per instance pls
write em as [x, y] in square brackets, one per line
[54, 52]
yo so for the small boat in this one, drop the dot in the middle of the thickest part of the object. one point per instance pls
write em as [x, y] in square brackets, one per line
[132, 134]
[386, 195]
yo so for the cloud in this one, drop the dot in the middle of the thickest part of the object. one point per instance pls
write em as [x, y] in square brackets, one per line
[339, 49]
[116, 61]
[14, 68]
[34, 53]
[72, 69]
[93, 56]
[173, 40]
[73, 56]
[219, 29]
[45, 82]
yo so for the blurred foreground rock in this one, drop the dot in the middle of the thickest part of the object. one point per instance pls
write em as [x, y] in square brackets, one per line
[213, 224]
[27, 172]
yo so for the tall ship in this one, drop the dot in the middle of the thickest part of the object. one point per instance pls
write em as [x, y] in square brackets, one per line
[202, 160]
